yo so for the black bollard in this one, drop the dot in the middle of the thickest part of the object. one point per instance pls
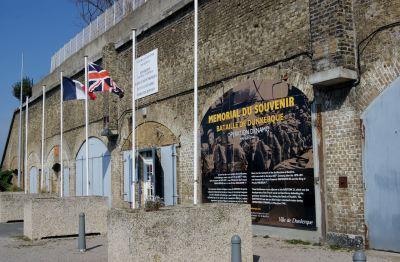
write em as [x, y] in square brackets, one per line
[82, 233]
[236, 253]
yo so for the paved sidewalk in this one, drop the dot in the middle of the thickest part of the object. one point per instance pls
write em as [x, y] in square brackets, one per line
[14, 248]
[275, 250]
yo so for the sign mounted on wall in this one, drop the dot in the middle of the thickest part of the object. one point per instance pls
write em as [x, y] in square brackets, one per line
[256, 148]
[146, 74]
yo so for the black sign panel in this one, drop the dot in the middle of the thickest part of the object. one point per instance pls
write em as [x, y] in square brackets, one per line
[256, 147]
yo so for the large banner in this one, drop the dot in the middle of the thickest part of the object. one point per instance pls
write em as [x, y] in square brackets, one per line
[256, 148]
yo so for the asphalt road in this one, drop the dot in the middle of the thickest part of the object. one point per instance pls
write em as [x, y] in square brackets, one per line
[11, 229]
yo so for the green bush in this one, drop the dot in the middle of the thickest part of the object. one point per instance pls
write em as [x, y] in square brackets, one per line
[5, 180]
[153, 205]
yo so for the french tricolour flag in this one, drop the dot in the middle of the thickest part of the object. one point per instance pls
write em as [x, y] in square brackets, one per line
[74, 90]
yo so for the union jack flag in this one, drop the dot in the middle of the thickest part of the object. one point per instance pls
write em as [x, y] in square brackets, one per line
[100, 81]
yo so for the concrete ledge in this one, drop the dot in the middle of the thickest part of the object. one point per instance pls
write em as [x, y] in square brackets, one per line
[180, 233]
[50, 217]
[334, 76]
[12, 205]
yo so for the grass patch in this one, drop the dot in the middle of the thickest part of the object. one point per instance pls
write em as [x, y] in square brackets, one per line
[335, 247]
[297, 242]
[24, 238]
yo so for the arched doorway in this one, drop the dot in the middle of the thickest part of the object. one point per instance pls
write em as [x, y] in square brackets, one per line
[99, 170]
[33, 180]
[155, 165]
[51, 175]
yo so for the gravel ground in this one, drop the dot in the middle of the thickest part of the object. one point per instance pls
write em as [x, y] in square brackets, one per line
[14, 248]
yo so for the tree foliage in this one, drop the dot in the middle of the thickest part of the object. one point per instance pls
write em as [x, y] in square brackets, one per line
[90, 9]
[5, 180]
[27, 84]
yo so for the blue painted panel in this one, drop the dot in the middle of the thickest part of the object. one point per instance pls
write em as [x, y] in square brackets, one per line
[99, 170]
[80, 177]
[106, 171]
[127, 175]
[96, 176]
[168, 165]
[47, 179]
[382, 169]
[66, 181]
[33, 180]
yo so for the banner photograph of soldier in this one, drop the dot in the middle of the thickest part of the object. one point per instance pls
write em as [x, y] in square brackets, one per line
[275, 146]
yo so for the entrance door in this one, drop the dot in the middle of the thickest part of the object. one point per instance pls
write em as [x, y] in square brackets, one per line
[33, 180]
[99, 170]
[155, 173]
[148, 178]
[382, 169]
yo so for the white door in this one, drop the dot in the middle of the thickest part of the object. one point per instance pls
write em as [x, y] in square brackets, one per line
[148, 178]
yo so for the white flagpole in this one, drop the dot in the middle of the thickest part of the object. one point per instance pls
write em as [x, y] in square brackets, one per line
[20, 124]
[87, 125]
[42, 158]
[26, 143]
[195, 109]
[133, 136]
[61, 136]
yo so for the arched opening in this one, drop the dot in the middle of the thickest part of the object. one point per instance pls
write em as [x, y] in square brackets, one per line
[98, 181]
[51, 174]
[155, 166]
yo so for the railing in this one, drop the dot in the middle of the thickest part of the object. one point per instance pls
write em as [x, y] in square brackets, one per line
[101, 24]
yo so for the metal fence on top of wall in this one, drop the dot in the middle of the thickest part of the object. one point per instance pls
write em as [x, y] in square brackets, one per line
[101, 24]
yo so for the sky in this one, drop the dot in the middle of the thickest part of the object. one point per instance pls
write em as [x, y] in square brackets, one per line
[38, 29]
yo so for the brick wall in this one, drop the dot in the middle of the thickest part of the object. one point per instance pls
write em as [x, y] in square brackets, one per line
[259, 39]
[332, 34]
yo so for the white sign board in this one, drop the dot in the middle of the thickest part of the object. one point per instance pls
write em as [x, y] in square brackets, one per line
[146, 74]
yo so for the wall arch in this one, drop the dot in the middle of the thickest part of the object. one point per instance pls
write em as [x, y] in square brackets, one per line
[51, 179]
[149, 134]
[376, 79]
[33, 160]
